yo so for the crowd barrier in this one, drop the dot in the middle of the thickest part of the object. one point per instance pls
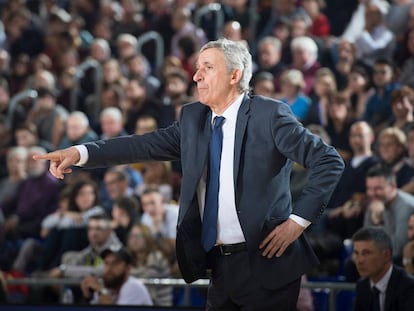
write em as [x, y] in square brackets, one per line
[328, 296]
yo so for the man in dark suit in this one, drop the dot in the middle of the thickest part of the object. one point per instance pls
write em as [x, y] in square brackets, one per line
[257, 253]
[373, 259]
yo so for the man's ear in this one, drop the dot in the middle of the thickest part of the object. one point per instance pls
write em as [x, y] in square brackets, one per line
[236, 76]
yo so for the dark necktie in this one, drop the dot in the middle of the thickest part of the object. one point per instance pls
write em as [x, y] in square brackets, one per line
[209, 227]
[375, 306]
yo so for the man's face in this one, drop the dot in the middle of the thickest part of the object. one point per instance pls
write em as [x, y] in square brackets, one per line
[99, 231]
[382, 75]
[268, 56]
[114, 185]
[378, 188]
[25, 138]
[115, 272]
[360, 138]
[370, 261]
[75, 129]
[110, 126]
[152, 204]
[214, 80]
[389, 149]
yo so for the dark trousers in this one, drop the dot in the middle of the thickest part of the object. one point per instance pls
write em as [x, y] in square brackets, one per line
[232, 287]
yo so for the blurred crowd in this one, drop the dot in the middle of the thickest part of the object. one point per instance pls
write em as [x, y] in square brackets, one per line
[77, 71]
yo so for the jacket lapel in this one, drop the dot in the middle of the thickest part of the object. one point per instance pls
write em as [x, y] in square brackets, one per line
[241, 125]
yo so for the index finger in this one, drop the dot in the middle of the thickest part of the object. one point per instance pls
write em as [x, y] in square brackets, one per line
[48, 156]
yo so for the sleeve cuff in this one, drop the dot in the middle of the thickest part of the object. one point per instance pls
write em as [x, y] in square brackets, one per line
[300, 221]
[84, 155]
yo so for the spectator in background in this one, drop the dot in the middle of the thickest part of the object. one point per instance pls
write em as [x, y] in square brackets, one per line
[339, 122]
[161, 218]
[292, 86]
[360, 89]
[138, 103]
[125, 212]
[262, 84]
[402, 105]
[149, 262]
[49, 119]
[372, 254]
[409, 186]
[320, 24]
[388, 206]
[305, 58]
[269, 59]
[77, 130]
[138, 66]
[378, 108]
[111, 123]
[25, 210]
[344, 60]
[75, 264]
[407, 68]
[116, 184]
[26, 136]
[325, 84]
[126, 46]
[392, 151]
[118, 286]
[100, 50]
[183, 26]
[16, 172]
[348, 202]
[376, 41]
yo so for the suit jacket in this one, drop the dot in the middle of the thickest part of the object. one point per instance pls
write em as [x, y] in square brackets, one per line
[399, 295]
[268, 139]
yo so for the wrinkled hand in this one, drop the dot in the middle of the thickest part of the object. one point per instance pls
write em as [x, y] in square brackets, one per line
[60, 161]
[280, 238]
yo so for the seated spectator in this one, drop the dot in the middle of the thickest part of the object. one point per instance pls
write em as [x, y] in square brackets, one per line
[383, 286]
[378, 107]
[77, 130]
[409, 186]
[157, 174]
[116, 184]
[26, 209]
[348, 202]
[305, 59]
[402, 105]
[262, 84]
[292, 85]
[392, 151]
[75, 264]
[125, 212]
[269, 59]
[161, 218]
[16, 172]
[360, 89]
[388, 206]
[325, 84]
[339, 122]
[118, 287]
[376, 40]
[48, 117]
[26, 135]
[149, 262]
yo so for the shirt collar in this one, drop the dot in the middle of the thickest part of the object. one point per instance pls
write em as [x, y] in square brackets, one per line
[231, 112]
[383, 283]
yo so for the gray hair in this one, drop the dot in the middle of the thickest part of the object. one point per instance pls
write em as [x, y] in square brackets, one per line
[80, 117]
[104, 45]
[236, 56]
[275, 42]
[17, 151]
[305, 44]
[112, 112]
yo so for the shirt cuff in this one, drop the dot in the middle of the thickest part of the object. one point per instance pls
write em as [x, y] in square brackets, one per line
[300, 221]
[84, 155]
